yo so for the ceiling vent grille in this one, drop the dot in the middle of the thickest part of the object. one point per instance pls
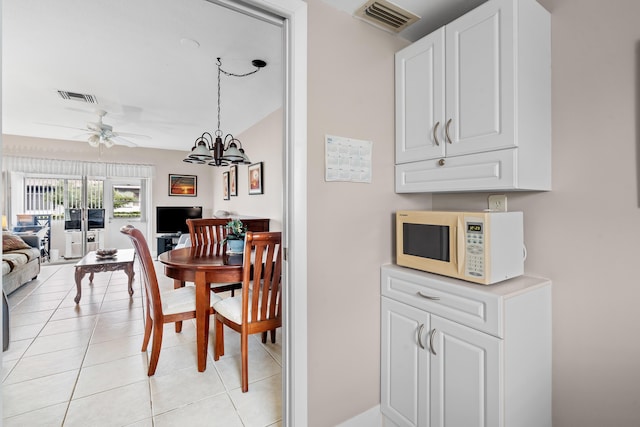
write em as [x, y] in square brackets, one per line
[387, 15]
[74, 96]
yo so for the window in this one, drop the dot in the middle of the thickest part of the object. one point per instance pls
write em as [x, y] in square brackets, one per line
[126, 201]
[54, 195]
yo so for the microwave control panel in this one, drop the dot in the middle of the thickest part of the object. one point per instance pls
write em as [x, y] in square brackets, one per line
[474, 243]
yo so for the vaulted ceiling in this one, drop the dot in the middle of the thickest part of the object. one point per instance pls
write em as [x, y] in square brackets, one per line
[151, 65]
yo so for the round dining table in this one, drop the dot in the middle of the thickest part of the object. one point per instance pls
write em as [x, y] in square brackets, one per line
[202, 265]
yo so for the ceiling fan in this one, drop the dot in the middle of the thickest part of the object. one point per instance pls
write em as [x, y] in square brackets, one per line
[102, 133]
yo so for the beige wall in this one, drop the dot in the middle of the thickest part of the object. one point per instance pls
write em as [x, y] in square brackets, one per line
[583, 234]
[165, 161]
[350, 91]
[596, 351]
[263, 142]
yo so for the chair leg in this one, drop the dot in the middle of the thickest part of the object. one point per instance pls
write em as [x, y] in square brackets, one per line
[148, 325]
[244, 349]
[155, 349]
[273, 336]
[218, 348]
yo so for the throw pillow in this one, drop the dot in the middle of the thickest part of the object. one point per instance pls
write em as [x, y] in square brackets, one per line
[11, 242]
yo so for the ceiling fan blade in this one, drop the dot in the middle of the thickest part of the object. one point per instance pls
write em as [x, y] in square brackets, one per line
[94, 127]
[122, 141]
[132, 135]
[61, 126]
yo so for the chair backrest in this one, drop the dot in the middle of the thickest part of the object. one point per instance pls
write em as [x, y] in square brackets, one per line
[261, 286]
[149, 277]
[208, 231]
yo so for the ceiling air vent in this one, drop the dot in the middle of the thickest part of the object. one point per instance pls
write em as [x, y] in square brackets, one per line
[90, 99]
[386, 15]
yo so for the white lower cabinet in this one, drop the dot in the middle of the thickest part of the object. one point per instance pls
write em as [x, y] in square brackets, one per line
[457, 354]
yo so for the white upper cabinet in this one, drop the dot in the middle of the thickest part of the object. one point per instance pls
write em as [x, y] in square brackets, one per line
[479, 85]
[420, 108]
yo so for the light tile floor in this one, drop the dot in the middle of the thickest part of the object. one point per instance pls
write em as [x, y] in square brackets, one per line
[81, 365]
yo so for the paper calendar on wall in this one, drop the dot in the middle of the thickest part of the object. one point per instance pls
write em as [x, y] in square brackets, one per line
[347, 159]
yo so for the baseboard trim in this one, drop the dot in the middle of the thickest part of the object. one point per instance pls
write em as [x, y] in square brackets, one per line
[369, 418]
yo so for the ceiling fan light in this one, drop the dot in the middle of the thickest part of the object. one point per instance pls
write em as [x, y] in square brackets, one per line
[94, 140]
[107, 142]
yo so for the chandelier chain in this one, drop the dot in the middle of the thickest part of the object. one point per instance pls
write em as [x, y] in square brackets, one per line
[219, 70]
[227, 73]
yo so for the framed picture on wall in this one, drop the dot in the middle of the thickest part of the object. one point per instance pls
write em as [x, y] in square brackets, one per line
[233, 180]
[183, 185]
[256, 186]
[225, 185]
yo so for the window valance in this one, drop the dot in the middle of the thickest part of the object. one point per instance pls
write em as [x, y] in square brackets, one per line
[75, 167]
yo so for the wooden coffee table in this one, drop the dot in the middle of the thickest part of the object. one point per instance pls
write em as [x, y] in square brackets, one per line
[90, 263]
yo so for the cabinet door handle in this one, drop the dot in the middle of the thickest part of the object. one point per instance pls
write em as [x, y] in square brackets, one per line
[431, 349]
[446, 131]
[435, 133]
[428, 296]
[420, 337]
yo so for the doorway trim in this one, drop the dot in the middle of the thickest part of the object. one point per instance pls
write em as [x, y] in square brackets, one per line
[293, 14]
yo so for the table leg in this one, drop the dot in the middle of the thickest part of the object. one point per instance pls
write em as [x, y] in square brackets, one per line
[79, 276]
[203, 299]
[177, 284]
[130, 273]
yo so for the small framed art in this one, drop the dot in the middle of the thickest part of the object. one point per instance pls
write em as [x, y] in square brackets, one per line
[256, 186]
[183, 185]
[225, 185]
[233, 180]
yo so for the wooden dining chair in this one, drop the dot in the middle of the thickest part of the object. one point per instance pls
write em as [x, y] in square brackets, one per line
[211, 232]
[170, 306]
[258, 309]
[208, 231]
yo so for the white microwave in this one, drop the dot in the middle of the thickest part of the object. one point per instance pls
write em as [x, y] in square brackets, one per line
[480, 247]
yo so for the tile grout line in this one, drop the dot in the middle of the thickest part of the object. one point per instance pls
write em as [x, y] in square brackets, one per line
[84, 356]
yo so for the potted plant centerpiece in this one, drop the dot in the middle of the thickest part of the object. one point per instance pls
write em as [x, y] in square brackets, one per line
[235, 235]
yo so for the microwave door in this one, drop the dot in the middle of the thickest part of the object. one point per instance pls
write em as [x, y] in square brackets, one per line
[429, 241]
[426, 241]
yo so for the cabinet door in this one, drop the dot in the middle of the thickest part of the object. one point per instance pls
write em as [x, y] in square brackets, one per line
[420, 99]
[480, 79]
[404, 364]
[465, 376]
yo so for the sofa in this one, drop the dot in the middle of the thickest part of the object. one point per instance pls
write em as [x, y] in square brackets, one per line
[20, 260]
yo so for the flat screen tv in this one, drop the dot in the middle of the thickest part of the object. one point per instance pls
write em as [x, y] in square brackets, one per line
[173, 219]
[73, 219]
[96, 218]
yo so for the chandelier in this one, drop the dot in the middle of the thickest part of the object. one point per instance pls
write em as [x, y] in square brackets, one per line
[221, 151]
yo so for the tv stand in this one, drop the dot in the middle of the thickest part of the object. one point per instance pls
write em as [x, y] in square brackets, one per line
[166, 242]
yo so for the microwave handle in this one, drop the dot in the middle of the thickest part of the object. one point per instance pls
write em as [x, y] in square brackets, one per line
[459, 246]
